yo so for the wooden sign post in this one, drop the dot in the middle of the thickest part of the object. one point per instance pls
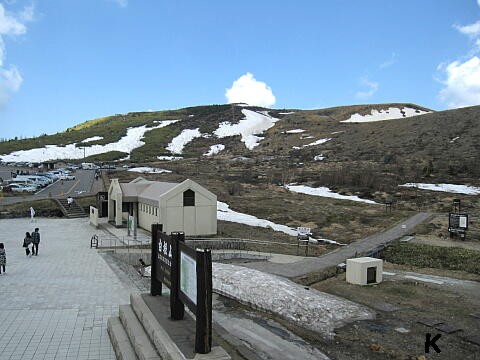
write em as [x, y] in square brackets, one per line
[188, 275]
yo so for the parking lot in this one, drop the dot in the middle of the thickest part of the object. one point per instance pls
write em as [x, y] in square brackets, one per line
[82, 185]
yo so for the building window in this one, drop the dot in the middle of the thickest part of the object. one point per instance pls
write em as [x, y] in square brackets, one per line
[156, 211]
[189, 198]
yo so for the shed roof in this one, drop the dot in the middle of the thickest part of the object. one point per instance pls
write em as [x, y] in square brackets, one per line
[148, 191]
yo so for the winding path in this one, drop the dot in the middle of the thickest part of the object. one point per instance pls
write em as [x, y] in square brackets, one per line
[319, 264]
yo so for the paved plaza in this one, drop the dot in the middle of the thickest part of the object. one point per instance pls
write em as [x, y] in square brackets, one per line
[56, 305]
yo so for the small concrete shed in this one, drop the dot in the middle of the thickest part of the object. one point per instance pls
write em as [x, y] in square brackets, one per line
[364, 271]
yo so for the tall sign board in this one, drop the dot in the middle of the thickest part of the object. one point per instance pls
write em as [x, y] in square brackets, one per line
[188, 274]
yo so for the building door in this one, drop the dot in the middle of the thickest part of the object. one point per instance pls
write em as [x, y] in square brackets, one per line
[371, 275]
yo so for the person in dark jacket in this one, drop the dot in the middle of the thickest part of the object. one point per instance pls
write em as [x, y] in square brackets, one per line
[26, 243]
[35, 241]
[3, 258]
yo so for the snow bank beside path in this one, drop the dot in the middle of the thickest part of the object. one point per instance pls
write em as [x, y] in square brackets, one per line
[390, 114]
[325, 192]
[131, 141]
[149, 170]
[180, 141]
[214, 149]
[253, 123]
[451, 188]
[311, 309]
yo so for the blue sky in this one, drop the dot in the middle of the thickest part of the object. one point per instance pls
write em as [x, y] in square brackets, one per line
[64, 62]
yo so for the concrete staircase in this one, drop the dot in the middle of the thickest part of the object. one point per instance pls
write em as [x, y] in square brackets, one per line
[137, 335]
[72, 212]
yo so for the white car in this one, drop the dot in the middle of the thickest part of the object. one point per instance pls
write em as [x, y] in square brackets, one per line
[67, 177]
[22, 188]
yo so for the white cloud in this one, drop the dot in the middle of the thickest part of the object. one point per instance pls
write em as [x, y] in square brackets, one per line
[11, 25]
[461, 83]
[472, 30]
[246, 89]
[392, 60]
[10, 81]
[372, 87]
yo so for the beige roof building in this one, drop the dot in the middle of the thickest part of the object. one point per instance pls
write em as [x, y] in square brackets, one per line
[185, 206]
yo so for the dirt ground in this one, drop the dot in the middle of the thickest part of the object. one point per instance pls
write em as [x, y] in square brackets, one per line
[400, 303]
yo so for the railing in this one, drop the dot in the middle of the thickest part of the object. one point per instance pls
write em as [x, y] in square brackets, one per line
[239, 244]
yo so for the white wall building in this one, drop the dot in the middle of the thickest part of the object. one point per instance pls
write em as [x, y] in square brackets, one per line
[186, 206]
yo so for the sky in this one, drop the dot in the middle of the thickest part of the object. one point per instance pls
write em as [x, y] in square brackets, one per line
[65, 62]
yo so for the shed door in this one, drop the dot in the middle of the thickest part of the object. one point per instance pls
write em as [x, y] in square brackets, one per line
[371, 275]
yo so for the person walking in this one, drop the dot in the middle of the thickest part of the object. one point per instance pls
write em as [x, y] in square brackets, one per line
[3, 258]
[26, 243]
[35, 241]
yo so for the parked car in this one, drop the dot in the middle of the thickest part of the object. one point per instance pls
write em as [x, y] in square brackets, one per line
[17, 187]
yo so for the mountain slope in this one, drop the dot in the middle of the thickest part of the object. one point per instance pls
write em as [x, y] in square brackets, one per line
[450, 137]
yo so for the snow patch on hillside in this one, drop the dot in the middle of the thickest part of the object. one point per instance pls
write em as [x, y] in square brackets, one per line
[390, 114]
[295, 131]
[214, 149]
[287, 113]
[169, 158]
[93, 138]
[305, 307]
[451, 188]
[319, 157]
[253, 123]
[131, 141]
[148, 170]
[226, 214]
[325, 192]
[318, 142]
[180, 141]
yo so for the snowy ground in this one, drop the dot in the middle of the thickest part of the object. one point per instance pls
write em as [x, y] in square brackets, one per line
[318, 142]
[179, 142]
[253, 123]
[226, 214]
[295, 131]
[214, 149]
[319, 157]
[93, 138]
[131, 141]
[390, 114]
[451, 188]
[149, 170]
[311, 309]
[169, 158]
[325, 192]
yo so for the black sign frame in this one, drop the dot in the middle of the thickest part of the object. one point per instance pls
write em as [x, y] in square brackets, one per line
[165, 265]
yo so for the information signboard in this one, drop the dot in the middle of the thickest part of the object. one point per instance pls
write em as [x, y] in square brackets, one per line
[188, 277]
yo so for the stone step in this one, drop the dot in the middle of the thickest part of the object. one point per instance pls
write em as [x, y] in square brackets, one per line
[119, 338]
[165, 346]
[137, 335]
